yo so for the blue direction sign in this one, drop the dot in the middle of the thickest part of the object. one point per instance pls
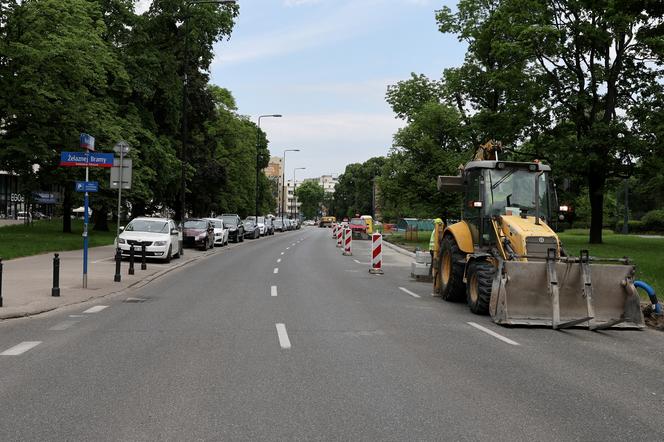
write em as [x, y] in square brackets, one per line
[87, 186]
[87, 142]
[86, 159]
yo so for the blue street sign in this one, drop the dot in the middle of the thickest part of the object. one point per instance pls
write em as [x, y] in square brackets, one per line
[86, 159]
[87, 186]
[87, 142]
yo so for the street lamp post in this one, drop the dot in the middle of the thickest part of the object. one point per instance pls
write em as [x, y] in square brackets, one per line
[282, 205]
[294, 187]
[258, 134]
[185, 87]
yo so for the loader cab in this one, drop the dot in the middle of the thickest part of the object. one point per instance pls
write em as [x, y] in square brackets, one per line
[495, 188]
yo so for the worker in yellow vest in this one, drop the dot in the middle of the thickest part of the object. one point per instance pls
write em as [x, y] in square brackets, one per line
[434, 247]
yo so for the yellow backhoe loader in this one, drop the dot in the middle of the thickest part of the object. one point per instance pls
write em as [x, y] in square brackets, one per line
[504, 259]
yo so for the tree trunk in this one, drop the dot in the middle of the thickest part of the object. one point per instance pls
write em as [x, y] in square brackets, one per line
[596, 181]
[66, 208]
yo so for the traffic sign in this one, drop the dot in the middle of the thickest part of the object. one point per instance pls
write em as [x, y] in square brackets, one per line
[126, 173]
[86, 159]
[87, 142]
[121, 146]
[87, 186]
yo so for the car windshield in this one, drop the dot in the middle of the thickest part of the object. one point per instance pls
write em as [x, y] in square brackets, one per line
[357, 222]
[229, 220]
[278, 223]
[512, 191]
[195, 224]
[217, 223]
[145, 225]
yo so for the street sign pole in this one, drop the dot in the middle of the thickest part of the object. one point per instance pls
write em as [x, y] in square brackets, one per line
[85, 228]
[117, 233]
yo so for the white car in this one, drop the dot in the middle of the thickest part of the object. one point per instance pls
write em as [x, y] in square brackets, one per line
[220, 231]
[161, 237]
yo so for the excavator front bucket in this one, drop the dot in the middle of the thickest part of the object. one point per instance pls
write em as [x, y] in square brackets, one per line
[563, 294]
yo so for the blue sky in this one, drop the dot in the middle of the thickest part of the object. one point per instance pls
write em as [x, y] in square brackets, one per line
[325, 65]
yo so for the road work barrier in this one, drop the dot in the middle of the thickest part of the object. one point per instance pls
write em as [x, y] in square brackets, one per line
[339, 237]
[348, 240]
[335, 226]
[376, 254]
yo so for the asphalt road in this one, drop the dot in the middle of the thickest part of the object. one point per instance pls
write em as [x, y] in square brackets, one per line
[229, 348]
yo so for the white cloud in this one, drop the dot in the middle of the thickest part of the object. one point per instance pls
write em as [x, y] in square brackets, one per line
[339, 139]
[344, 24]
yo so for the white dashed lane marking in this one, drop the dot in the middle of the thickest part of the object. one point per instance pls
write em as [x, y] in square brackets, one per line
[276, 270]
[278, 260]
[493, 333]
[282, 253]
[405, 290]
[273, 290]
[95, 309]
[284, 342]
[20, 348]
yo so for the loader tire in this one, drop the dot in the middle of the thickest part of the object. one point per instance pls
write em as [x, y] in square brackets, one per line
[451, 272]
[480, 277]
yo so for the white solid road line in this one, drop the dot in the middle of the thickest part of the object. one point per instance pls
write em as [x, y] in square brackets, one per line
[283, 336]
[357, 261]
[20, 348]
[273, 290]
[405, 290]
[279, 260]
[276, 270]
[493, 333]
[95, 309]
[64, 325]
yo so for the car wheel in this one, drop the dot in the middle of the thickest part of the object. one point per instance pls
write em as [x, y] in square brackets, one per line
[168, 254]
[177, 255]
[242, 237]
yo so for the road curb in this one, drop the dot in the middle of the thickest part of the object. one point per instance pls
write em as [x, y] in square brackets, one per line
[398, 249]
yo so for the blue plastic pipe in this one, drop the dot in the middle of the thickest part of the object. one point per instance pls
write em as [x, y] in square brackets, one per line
[651, 294]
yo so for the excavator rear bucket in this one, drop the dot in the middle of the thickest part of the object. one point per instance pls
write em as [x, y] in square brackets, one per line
[563, 294]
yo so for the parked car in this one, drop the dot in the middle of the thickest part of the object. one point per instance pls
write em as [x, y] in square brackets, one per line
[220, 232]
[235, 226]
[161, 238]
[263, 224]
[198, 232]
[279, 225]
[298, 224]
[251, 230]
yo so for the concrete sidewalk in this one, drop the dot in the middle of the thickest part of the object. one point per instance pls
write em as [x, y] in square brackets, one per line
[27, 282]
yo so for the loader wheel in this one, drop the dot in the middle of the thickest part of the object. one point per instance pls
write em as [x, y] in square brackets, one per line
[451, 273]
[478, 289]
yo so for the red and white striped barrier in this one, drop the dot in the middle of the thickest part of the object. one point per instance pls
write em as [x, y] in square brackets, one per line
[376, 254]
[348, 240]
[334, 230]
[339, 237]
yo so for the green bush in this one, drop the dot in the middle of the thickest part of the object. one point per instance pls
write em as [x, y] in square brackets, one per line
[653, 221]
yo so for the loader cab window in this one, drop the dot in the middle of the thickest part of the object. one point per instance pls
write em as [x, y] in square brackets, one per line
[512, 192]
[471, 213]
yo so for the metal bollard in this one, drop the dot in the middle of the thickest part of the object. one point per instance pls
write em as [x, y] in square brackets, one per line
[118, 262]
[0, 282]
[144, 266]
[55, 291]
[131, 259]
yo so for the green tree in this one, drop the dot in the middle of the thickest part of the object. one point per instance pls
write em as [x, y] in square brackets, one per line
[311, 195]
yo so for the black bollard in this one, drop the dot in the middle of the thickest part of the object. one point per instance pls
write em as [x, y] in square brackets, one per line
[0, 282]
[118, 262]
[55, 291]
[131, 259]
[144, 266]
